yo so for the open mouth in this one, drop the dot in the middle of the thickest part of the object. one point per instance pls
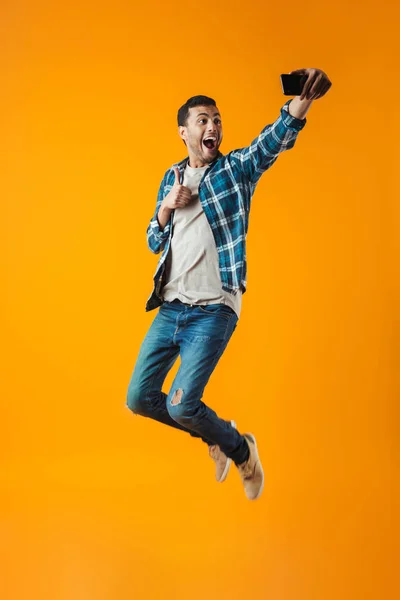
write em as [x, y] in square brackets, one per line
[210, 143]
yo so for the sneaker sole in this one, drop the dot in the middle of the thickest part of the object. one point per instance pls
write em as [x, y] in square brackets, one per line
[259, 462]
[228, 462]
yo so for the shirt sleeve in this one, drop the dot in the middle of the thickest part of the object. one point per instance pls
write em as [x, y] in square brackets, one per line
[156, 237]
[263, 151]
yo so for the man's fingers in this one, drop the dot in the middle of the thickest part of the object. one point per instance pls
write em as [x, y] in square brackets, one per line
[185, 192]
[184, 198]
[316, 84]
[324, 89]
[307, 86]
[320, 92]
[182, 202]
[177, 176]
[316, 88]
[313, 89]
[305, 89]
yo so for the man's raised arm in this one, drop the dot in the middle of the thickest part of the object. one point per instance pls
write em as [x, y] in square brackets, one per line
[281, 135]
[316, 86]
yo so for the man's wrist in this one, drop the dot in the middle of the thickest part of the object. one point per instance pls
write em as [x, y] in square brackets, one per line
[298, 108]
[163, 216]
[165, 210]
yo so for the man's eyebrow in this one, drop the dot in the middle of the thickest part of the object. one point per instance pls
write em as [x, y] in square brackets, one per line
[207, 115]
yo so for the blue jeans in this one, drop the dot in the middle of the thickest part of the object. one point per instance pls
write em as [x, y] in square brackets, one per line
[200, 335]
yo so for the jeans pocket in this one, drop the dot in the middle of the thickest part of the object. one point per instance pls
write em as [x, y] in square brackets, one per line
[221, 310]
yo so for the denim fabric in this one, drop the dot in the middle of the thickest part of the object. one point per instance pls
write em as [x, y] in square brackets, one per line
[200, 334]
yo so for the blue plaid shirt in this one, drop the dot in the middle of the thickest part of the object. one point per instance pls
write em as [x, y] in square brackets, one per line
[225, 193]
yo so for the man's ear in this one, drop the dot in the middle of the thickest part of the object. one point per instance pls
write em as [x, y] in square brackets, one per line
[182, 132]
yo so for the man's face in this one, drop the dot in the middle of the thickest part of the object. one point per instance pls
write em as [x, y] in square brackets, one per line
[202, 134]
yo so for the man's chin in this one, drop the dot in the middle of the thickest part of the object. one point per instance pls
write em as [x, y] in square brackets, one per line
[210, 154]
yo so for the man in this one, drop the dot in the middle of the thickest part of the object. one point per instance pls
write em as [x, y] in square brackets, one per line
[200, 223]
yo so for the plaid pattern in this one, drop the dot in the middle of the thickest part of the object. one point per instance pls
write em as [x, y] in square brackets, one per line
[225, 193]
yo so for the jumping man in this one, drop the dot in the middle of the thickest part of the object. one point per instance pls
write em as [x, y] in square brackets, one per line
[200, 224]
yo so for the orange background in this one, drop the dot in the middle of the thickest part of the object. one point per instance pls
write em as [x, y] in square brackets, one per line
[97, 504]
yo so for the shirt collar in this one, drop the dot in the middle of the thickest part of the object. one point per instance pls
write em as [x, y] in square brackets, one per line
[182, 164]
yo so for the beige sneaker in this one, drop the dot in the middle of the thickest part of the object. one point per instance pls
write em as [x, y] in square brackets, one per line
[222, 462]
[251, 471]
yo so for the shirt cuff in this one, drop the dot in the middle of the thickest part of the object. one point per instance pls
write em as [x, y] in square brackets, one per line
[290, 121]
[155, 227]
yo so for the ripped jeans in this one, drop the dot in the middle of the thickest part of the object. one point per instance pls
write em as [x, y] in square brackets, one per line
[200, 335]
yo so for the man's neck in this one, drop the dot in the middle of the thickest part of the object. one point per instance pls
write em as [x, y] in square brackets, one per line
[195, 163]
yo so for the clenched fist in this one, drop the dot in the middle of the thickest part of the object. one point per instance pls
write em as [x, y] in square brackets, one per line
[316, 84]
[179, 196]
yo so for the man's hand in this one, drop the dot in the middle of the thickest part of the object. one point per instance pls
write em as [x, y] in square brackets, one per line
[316, 85]
[179, 196]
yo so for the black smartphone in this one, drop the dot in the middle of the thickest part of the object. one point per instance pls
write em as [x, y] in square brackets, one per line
[292, 85]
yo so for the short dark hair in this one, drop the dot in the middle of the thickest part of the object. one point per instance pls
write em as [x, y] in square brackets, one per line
[183, 112]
